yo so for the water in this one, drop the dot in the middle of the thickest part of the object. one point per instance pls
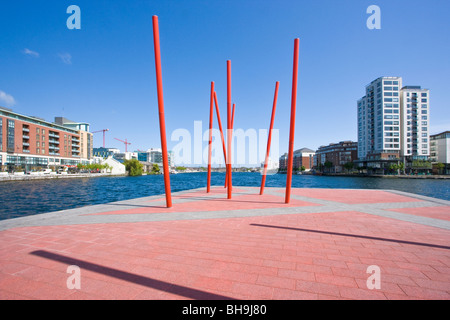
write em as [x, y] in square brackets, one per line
[22, 198]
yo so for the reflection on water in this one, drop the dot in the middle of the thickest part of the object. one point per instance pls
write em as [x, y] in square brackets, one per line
[20, 198]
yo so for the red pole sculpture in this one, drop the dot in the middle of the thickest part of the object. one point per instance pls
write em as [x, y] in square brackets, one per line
[229, 129]
[211, 111]
[292, 124]
[269, 139]
[232, 116]
[162, 122]
[221, 133]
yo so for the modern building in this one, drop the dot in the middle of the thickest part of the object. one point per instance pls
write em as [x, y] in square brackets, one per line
[30, 143]
[440, 151]
[393, 124]
[333, 157]
[105, 152]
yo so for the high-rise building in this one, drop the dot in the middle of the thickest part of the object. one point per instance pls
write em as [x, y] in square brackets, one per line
[414, 134]
[379, 120]
[393, 124]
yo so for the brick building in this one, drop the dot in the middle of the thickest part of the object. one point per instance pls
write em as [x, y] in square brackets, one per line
[29, 143]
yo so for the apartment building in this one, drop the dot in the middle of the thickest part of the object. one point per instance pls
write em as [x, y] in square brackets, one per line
[29, 142]
[302, 157]
[333, 157]
[440, 151]
[393, 124]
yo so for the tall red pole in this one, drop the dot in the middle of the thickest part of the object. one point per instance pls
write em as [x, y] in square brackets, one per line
[269, 139]
[232, 116]
[162, 122]
[229, 129]
[292, 124]
[221, 133]
[211, 111]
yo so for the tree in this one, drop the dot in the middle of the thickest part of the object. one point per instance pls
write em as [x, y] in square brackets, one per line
[349, 166]
[155, 169]
[439, 167]
[328, 164]
[134, 167]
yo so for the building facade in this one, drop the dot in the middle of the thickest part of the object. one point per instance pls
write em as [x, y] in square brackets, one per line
[334, 157]
[28, 143]
[302, 157]
[440, 152]
[393, 125]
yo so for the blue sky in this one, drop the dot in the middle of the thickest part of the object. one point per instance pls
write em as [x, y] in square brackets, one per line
[104, 73]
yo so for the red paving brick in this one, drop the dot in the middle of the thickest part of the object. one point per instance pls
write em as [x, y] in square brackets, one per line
[322, 255]
[352, 196]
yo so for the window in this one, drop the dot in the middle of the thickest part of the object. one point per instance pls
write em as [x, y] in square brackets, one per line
[387, 99]
[387, 88]
[424, 100]
[43, 131]
[395, 83]
[424, 112]
[424, 94]
[388, 83]
[388, 94]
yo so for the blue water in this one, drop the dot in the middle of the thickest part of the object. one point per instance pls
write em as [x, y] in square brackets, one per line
[22, 198]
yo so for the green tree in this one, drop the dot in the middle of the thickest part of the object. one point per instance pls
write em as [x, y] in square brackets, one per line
[328, 164]
[349, 166]
[155, 169]
[134, 167]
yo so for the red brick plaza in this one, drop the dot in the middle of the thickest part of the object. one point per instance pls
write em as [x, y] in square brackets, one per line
[319, 246]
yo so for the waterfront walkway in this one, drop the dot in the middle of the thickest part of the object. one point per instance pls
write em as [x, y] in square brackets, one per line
[325, 244]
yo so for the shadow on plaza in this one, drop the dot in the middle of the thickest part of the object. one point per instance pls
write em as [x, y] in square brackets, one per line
[353, 236]
[133, 278]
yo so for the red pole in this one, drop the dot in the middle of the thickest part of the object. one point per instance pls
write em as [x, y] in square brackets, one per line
[221, 133]
[232, 116]
[292, 124]
[162, 122]
[229, 129]
[269, 139]
[211, 111]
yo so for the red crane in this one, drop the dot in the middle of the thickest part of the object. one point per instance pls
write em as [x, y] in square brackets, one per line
[103, 130]
[125, 142]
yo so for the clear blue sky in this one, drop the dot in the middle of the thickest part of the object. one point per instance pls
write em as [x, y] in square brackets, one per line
[104, 73]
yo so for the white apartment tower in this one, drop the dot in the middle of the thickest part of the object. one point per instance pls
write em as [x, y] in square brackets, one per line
[415, 119]
[379, 119]
[393, 122]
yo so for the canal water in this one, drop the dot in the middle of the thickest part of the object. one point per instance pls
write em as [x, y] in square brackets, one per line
[22, 198]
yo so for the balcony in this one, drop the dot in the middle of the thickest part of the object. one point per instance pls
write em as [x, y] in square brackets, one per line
[25, 130]
[53, 135]
[25, 136]
[25, 144]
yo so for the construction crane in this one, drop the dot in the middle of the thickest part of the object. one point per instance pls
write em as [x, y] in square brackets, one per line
[125, 142]
[103, 130]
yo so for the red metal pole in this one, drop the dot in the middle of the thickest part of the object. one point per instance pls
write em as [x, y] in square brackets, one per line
[229, 129]
[269, 139]
[221, 133]
[232, 116]
[162, 122]
[292, 124]
[211, 111]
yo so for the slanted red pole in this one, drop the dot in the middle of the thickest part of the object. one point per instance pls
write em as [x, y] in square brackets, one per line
[162, 122]
[229, 130]
[232, 116]
[292, 124]
[269, 139]
[211, 111]
[221, 133]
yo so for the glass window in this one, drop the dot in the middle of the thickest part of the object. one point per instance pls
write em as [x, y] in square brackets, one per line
[388, 83]
[424, 94]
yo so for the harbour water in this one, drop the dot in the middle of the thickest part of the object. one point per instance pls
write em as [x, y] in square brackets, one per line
[22, 198]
